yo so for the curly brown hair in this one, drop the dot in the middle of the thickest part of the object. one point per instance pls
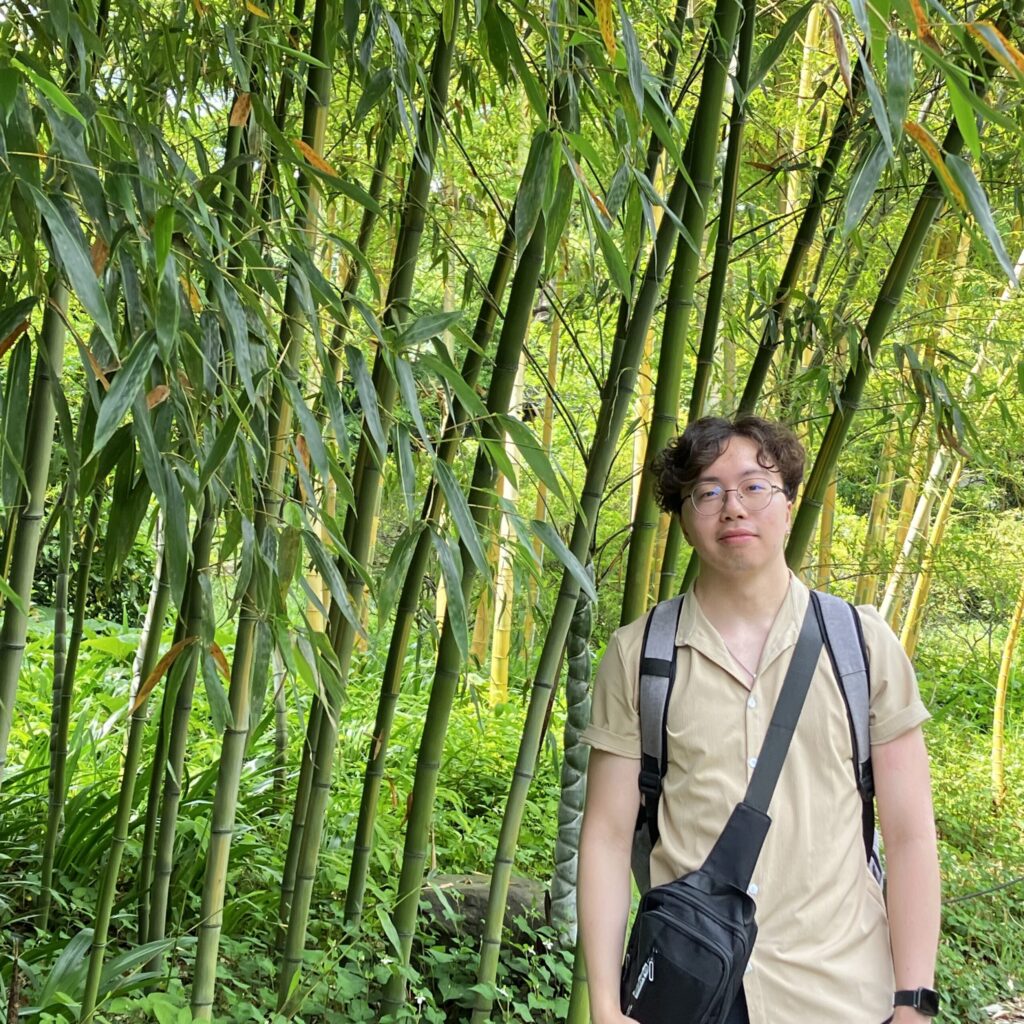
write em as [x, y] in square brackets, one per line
[678, 466]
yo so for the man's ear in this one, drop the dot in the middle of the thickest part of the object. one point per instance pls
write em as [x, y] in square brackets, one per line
[682, 524]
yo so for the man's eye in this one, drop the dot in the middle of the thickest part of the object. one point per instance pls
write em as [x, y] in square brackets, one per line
[756, 486]
[706, 493]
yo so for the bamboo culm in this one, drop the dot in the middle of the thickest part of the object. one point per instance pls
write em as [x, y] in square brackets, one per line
[701, 150]
[408, 601]
[358, 525]
[928, 205]
[447, 670]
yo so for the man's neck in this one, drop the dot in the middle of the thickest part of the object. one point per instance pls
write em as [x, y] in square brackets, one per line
[751, 599]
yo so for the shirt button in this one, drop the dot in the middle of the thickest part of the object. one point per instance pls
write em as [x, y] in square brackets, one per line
[752, 889]
[752, 762]
[752, 702]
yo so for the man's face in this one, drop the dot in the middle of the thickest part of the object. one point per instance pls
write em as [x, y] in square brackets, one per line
[735, 539]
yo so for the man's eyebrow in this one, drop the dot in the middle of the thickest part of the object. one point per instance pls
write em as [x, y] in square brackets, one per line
[760, 470]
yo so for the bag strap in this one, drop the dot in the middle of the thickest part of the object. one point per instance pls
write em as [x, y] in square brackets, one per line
[734, 856]
[657, 672]
[844, 640]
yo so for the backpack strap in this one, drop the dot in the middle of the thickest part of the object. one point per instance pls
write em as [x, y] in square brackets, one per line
[844, 641]
[657, 669]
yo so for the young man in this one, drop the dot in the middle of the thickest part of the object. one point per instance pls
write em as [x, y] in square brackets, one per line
[829, 950]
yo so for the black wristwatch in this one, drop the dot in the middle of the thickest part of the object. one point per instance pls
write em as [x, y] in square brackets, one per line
[924, 1000]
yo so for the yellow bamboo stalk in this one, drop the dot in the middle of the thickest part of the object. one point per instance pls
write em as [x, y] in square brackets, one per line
[878, 521]
[482, 624]
[803, 95]
[999, 710]
[541, 509]
[828, 515]
[504, 582]
[915, 610]
[643, 422]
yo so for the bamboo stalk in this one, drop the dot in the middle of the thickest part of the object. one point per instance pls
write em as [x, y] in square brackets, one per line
[39, 445]
[446, 673]
[504, 579]
[828, 514]
[999, 708]
[929, 203]
[229, 768]
[408, 602]
[149, 648]
[680, 299]
[61, 719]
[367, 478]
[874, 542]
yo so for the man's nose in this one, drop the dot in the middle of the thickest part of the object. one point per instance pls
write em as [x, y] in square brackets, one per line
[732, 505]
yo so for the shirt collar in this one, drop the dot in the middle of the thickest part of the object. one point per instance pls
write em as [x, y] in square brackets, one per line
[696, 631]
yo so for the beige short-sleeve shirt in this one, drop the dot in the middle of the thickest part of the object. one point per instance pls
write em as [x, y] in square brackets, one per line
[822, 951]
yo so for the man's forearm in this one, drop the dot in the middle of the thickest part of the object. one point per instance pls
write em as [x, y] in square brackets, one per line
[604, 896]
[913, 900]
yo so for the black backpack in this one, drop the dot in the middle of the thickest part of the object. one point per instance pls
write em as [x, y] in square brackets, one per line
[844, 641]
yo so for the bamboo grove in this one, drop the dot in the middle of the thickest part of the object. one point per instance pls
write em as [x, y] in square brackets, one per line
[363, 322]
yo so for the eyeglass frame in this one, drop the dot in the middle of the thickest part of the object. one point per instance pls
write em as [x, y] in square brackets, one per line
[736, 490]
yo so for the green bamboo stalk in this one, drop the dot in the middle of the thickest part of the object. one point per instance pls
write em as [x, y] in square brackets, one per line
[704, 132]
[38, 447]
[726, 217]
[177, 709]
[152, 633]
[449, 662]
[367, 477]
[317, 100]
[771, 334]
[61, 717]
[408, 602]
[929, 203]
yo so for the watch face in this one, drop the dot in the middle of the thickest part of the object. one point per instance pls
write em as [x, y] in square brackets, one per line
[928, 1001]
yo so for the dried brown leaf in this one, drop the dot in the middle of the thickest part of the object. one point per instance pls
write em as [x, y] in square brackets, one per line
[154, 677]
[240, 110]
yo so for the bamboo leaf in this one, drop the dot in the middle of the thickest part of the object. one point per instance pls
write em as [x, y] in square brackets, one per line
[310, 429]
[240, 110]
[162, 666]
[467, 397]
[899, 81]
[163, 231]
[771, 53]
[427, 326]
[613, 258]
[634, 62]
[128, 383]
[964, 115]
[931, 150]
[533, 452]
[463, 518]
[455, 609]
[606, 23]
[221, 661]
[978, 203]
[50, 91]
[839, 42]
[406, 469]
[407, 387]
[863, 186]
[1005, 53]
[878, 111]
[176, 538]
[376, 87]
[530, 200]
[393, 577]
[14, 321]
[367, 396]
[553, 542]
[328, 569]
[73, 253]
[216, 697]
[222, 445]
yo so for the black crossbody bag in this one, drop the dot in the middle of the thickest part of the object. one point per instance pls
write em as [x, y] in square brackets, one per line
[691, 938]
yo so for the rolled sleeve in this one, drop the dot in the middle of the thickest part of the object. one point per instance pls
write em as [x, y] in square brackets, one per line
[896, 705]
[614, 720]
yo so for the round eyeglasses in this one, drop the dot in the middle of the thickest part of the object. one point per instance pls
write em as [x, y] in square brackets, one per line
[753, 494]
